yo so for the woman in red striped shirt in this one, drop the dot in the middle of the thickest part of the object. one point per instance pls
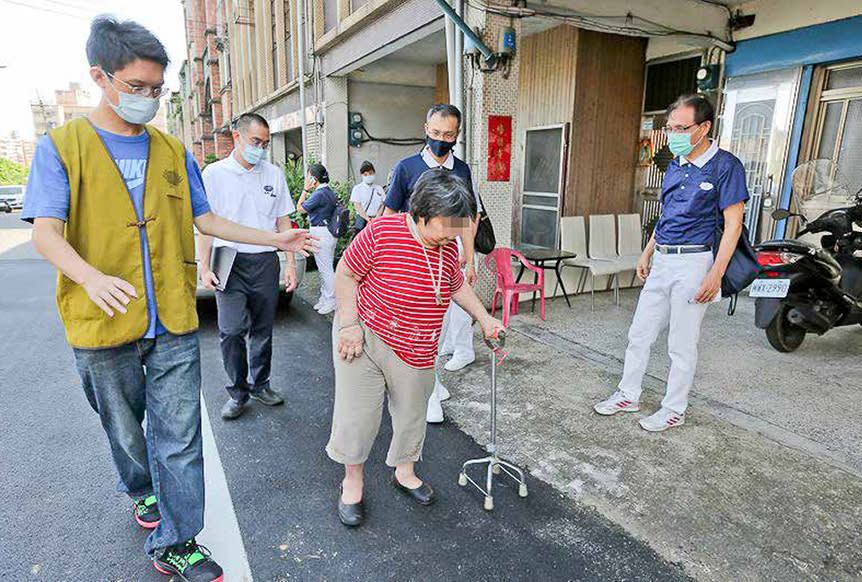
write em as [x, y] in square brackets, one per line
[393, 287]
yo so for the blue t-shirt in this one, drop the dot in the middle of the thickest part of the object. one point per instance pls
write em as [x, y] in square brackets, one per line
[48, 193]
[320, 205]
[690, 195]
[405, 175]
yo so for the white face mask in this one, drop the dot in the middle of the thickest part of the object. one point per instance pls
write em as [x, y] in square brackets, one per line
[135, 109]
[368, 179]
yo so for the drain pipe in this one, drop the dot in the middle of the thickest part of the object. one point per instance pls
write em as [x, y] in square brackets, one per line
[458, 63]
[468, 32]
[300, 31]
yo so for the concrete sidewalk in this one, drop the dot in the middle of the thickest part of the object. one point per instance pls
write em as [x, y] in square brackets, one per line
[762, 483]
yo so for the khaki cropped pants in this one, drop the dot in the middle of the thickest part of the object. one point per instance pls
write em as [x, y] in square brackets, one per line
[359, 390]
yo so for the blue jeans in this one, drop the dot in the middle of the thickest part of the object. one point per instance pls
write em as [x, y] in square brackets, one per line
[159, 378]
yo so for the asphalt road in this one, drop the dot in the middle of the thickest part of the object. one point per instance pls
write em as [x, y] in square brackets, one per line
[64, 521]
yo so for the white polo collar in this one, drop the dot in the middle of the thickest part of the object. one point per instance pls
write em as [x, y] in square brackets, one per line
[703, 158]
[448, 163]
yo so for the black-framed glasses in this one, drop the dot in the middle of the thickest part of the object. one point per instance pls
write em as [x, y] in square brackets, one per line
[678, 129]
[143, 91]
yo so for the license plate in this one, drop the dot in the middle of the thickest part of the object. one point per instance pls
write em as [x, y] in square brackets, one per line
[774, 288]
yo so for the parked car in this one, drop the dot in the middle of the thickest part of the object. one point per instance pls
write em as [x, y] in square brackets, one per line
[13, 196]
[203, 292]
[4, 206]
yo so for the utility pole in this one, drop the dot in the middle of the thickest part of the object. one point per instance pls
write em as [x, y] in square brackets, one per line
[300, 45]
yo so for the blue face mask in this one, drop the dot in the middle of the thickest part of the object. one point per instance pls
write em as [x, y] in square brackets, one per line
[135, 109]
[368, 179]
[252, 154]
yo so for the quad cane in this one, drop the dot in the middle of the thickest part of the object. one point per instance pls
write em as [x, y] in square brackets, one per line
[495, 463]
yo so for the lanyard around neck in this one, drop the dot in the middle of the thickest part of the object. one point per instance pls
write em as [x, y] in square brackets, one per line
[438, 283]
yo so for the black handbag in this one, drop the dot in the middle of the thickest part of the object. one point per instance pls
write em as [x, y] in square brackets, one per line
[743, 266]
[485, 241]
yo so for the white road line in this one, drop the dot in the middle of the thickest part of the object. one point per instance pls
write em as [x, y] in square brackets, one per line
[221, 529]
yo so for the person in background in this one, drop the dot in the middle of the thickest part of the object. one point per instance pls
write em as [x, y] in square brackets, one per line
[249, 190]
[318, 200]
[684, 279]
[442, 127]
[394, 285]
[367, 198]
[114, 203]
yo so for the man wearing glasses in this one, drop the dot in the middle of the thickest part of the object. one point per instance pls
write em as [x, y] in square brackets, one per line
[702, 185]
[249, 190]
[114, 203]
[442, 127]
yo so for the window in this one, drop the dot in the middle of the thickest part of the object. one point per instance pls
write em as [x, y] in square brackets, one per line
[330, 14]
[839, 122]
[668, 80]
[544, 159]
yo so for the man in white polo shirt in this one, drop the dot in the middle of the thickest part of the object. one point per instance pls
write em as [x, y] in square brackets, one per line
[253, 192]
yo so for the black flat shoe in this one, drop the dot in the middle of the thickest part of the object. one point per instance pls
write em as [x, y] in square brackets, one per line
[352, 514]
[423, 495]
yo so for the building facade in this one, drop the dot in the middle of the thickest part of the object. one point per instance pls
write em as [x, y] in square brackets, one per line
[66, 104]
[568, 122]
[203, 110]
[17, 149]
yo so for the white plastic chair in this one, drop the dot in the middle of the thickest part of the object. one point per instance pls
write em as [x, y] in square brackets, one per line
[629, 237]
[603, 247]
[573, 238]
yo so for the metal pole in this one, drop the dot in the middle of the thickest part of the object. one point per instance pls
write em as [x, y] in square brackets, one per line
[468, 32]
[458, 61]
[450, 58]
[300, 46]
[492, 448]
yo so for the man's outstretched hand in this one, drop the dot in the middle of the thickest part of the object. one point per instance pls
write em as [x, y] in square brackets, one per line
[296, 240]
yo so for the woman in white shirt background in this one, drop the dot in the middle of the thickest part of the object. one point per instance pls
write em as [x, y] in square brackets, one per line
[367, 197]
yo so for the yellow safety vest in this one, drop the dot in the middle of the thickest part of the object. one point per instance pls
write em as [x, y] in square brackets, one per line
[103, 228]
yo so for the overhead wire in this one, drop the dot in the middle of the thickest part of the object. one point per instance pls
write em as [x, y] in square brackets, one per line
[596, 22]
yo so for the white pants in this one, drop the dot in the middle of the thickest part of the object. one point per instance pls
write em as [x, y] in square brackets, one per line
[667, 298]
[324, 257]
[458, 326]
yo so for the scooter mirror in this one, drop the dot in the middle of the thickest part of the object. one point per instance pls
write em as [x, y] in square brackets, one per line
[781, 214]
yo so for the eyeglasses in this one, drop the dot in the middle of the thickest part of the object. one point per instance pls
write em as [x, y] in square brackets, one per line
[443, 135]
[257, 143]
[678, 128]
[143, 91]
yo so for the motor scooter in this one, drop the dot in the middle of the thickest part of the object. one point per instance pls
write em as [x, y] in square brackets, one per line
[804, 287]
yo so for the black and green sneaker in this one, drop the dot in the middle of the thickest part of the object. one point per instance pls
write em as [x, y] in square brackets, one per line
[189, 561]
[147, 512]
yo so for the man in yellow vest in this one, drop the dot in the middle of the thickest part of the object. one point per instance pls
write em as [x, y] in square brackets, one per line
[114, 202]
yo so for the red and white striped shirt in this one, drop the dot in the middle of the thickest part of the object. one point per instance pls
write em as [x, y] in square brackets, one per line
[396, 296]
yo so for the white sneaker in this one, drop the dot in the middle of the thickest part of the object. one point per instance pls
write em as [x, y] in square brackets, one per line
[435, 411]
[664, 419]
[618, 402]
[441, 391]
[459, 361]
[318, 304]
[326, 308]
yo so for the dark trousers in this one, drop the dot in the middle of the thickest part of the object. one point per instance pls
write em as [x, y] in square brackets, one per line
[246, 312]
[159, 378]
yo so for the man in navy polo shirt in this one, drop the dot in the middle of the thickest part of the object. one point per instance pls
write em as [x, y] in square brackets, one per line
[442, 126]
[701, 183]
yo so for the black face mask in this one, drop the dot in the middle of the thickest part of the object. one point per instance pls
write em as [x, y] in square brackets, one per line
[439, 147]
